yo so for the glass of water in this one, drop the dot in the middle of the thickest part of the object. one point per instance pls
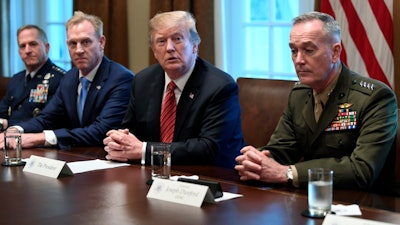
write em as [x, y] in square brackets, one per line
[12, 147]
[160, 160]
[320, 182]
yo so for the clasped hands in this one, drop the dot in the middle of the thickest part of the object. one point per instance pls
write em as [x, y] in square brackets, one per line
[258, 165]
[121, 145]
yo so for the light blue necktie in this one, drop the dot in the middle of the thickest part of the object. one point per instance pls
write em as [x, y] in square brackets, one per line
[82, 97]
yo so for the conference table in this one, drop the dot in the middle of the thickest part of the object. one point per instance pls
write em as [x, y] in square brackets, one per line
[118, 196]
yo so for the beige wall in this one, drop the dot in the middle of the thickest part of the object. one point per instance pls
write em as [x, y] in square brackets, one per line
[138, 16]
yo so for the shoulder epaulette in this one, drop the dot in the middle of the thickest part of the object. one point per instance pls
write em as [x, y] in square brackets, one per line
[299, 85]
[365, 86]
[59, 69]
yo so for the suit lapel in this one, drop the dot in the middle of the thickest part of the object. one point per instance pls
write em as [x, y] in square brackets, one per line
[71, 82]
[189, 94]
[155, 93]
[98, 82]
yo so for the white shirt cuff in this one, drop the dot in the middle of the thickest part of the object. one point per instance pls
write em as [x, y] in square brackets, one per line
[143, 161]
[50, 137]
[20, 129]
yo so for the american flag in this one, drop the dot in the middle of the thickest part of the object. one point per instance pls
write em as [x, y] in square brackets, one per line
[367, 35]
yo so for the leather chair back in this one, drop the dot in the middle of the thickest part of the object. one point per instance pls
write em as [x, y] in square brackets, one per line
[262, 103]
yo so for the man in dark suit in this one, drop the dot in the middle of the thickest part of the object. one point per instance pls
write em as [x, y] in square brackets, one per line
[107, 93]
[335, 119]
[207, 128]
[29, 90]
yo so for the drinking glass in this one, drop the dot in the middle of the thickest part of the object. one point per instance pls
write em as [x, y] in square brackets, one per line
[12, 147]
[161, 160]
[320, 182]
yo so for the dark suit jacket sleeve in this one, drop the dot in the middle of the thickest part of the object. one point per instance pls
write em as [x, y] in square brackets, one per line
[211, 137]
[219, 137]
[109, 118]
[113, 107]
[107, 111]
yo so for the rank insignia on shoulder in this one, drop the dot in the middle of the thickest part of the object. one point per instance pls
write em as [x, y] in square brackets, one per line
[346, 119]
[367, 85]
[58, 69]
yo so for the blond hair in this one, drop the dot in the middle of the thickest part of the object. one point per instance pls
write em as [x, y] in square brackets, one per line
[174, 18]
[79, 16]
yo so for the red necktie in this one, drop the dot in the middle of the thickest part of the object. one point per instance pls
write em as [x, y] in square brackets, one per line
[168, 114]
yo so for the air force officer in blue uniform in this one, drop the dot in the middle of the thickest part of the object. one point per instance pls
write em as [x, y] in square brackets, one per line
[31, 89]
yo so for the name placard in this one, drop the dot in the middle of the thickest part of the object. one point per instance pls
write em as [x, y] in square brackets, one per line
[180, 192]
[47, 167]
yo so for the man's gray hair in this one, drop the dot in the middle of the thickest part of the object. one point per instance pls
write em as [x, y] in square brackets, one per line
[331, 26]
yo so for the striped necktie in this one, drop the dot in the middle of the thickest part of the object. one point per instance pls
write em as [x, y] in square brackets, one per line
[168, 114]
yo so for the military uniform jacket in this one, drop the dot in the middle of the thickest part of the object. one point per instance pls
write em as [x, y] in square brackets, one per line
[354, 135]
[25, 99]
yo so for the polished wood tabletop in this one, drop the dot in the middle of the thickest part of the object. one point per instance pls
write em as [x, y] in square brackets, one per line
[118, 196]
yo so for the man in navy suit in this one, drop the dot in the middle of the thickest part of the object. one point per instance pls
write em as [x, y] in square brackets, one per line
[29, 90]
[107, 93]
[207, 129]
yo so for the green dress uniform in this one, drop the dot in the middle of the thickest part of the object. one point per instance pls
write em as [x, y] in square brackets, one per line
[355, 135]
